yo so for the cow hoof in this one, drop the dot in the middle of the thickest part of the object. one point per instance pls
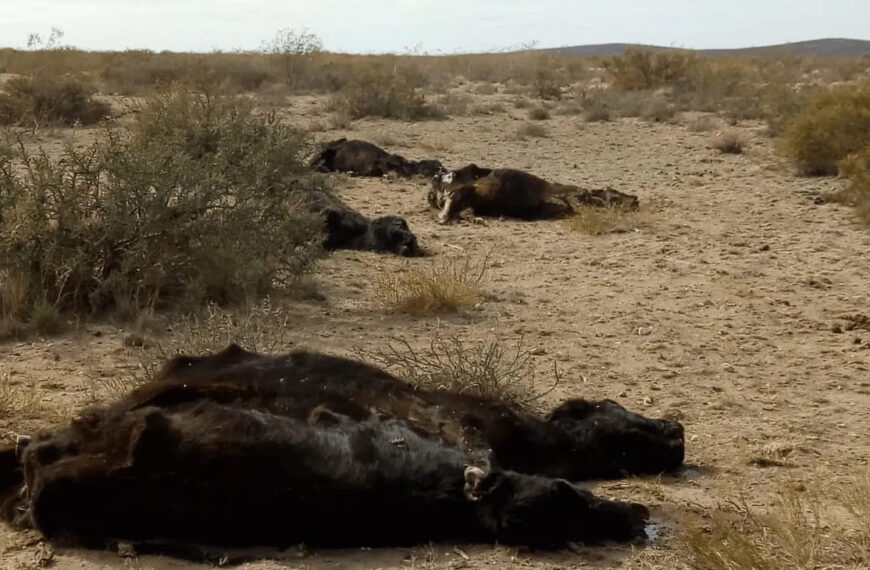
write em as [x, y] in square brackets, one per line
[473, 476]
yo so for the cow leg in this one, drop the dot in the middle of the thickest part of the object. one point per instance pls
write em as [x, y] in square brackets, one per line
[550, 513]
[455, 202]
[473, 477]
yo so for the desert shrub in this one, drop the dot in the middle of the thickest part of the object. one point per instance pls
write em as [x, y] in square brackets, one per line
[547, 81]
[487, 108]
[139, 72]
[570, 108]
[539, 113]
[728, 142]
[454, 104]
[856, 168]
[485, 89]
[521, 102]
[640, 68]
[45, 99]
[442, 286]
[607, 104]
[262, 326]
[294, 51]
[531, 130]
[339, 120]
[658, 110]
[832, 125]
[197, 202]
[597, 112]
[486, 368]
[377, 92]
[701, 124]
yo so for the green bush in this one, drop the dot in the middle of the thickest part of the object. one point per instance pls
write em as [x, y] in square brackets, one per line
[198, 202]
[50, 100]
[832, 125]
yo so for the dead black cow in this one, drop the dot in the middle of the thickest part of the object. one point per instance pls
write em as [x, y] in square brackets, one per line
[203, 473]
[238, 449]
[579, 439]
[363, 158]
[345, 228]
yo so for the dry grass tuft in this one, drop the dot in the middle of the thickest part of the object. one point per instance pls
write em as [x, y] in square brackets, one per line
[729, 142]
[23, 409]
[531, 130]
[17, 397]
[807, 528]
[442, 286]
[595, 221]
[486, 368]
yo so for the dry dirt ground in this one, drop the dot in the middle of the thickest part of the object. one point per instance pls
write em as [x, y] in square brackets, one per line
[718, 312]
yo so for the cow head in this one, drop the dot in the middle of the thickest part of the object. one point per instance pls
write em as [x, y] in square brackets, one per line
[429, 168]
[323, 160]
[612, 441]
[392, 234]
[548, 513]
[444, 182]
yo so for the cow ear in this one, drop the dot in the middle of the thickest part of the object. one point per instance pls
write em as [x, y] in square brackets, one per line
[495, 487]
[151, 437]
[333, 219]
[571, 410]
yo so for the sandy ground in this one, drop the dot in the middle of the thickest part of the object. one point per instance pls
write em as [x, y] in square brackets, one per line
[720, 314]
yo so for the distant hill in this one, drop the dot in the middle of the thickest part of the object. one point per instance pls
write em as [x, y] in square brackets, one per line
[823, 47]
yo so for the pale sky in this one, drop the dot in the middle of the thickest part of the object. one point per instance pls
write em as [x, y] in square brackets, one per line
[435, 26]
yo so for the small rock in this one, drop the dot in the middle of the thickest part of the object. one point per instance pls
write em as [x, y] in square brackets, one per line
[836, 329]
[765, 247]
[538, 352]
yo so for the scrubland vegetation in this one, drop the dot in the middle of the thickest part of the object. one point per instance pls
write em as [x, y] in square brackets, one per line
[186, 201]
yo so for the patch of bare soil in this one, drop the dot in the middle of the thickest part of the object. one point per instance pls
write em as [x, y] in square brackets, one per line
[721, 312]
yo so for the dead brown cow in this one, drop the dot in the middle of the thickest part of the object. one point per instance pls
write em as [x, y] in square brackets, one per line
[514, 193]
